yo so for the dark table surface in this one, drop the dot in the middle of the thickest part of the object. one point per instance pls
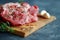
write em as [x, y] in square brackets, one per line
[48, 32]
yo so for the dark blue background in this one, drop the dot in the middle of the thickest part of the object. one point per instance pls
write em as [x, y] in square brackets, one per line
[48, 32]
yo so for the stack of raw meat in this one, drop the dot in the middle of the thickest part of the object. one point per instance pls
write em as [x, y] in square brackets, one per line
[19, 13]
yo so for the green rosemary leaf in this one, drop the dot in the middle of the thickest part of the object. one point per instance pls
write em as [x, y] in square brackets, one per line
[2, 26]
[5, 27]
[8, 23]
[10, 30]
[2, 29]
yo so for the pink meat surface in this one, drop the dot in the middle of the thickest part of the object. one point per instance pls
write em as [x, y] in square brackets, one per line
[20, 13]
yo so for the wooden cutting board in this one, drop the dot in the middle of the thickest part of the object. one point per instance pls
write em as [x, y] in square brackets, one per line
[28, 29]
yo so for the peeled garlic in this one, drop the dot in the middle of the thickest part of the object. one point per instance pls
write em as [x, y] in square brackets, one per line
[45, 14]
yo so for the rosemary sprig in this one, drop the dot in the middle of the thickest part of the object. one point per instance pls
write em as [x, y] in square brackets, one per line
[4, 27]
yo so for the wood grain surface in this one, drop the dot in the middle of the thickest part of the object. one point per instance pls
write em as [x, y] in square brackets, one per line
[28, 29]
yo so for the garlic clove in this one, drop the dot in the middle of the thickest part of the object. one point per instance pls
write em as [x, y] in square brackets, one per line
[45, 14]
